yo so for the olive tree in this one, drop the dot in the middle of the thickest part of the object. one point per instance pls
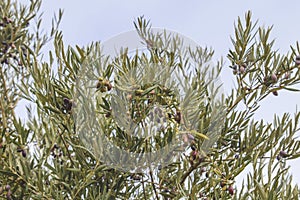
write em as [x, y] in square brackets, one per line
[146, 124]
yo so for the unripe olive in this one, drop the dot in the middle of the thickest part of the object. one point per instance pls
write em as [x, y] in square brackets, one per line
[1, 190]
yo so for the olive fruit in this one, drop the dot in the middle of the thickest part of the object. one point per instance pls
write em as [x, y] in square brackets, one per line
[274, 78]
[24, 153]
[283, 154]
[275, 93]
[7, 187]
[242, 69]
[67, 103]
[297, 61]
[222, 184]
[230, 190]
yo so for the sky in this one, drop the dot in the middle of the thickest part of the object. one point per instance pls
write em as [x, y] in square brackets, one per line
[209, 23]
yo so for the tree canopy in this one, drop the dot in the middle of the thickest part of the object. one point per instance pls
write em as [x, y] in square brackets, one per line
[146, 124]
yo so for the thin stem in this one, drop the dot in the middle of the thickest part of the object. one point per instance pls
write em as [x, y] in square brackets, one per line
[191, 169]
[153, 185]
[143, 185]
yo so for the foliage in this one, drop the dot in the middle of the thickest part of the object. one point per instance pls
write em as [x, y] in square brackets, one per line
[45, 158]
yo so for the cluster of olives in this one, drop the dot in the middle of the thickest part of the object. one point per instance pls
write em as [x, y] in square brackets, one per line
[67, 105]
[103, 85]
[268, 80]
[8, 50]
[239, 69]
[56, 152]
[8, 191]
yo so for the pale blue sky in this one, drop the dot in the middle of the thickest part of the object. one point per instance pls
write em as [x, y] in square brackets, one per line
[209, 23]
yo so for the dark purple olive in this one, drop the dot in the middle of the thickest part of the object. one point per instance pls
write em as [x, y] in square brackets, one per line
[207, 174]
[7, 187]
[68, 103]
[283, 154]
[275, 93]
[24, 153]
[230, 190]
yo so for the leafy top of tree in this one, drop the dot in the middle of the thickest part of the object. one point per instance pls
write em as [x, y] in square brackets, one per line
[46, 158]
